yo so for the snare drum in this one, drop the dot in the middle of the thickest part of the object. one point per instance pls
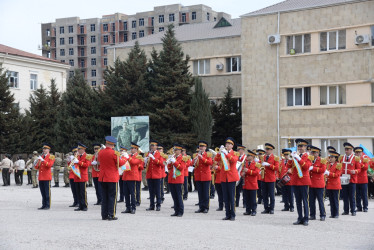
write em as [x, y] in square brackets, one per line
[283, 181]
[344, 179]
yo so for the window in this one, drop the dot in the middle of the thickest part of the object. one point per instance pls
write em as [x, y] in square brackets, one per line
[93, 61]
[93, 73]
[62, 52]
[93, 83]
[113, 26]
[48, 54]
[336, 143]
[71, 51]
[105, 61]
[201, 67]
[161, 18]
[332, 40]
[124, 25]
[105, 27]
[48, 32]
[372, 92]
[63, 61]
[215, 18]
[71, 62]
[332, 95]
[233, 64]
[13, 79]
[141, 33]
[93, 50]
[125, 38]
[93, 27]
[82, 40]
[298, 96]
[133, 35]
[82, 51]
[141, 21]
[184, 19]
[105, 50]
[152, 31]
[114, 38]
[71, 40]
[48, 43]
[133, 24]
[372, 35]
[33, 81]
[105, 39]
[70, 29]
[82, 29]
[62, 41]
[194, 15]
[71, 73]
[298, 44]
[83, 63]
[207, 16]
[152, 21]
[171, 18]
[161, 29]
[62, 30]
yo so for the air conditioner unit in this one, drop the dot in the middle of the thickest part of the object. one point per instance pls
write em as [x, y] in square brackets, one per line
[274, 39]
[219, 66]
[362, 39]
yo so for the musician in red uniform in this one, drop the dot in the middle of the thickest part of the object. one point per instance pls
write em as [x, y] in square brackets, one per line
[301, 184]
[44, 164]
[155, 171]
[130, 177]
[139, 181]
[271, 164]
[185, 173]
[164, 179]
[109, 163]
[333, 186]
[260, 181]
[176, 165]
[250, 173]
[239, 186]
[351, 167]
[95, 174]
[229, 177]
[362, 181]
[287, 189]
[217, 184]
[203, 162]
[124, 156]
[74, 152]
[317, 186]
[81, 162]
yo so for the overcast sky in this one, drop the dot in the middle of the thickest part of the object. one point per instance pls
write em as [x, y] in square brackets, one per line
[21, 19]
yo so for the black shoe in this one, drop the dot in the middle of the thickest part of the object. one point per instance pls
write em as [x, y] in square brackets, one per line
[199, 211]
[174, 214]
[345, 213]
[145, 188]
[104, 218]
[84, 209]
[336, 217]
[365, 210]
[205, 211]
[32, 187]
[90, 185]
[299, 222]
[211, 197]
[285, 209]
[265, 212]
[359, 210]
[158, 208]
[305, 223]
[312, 218]
[323, 218]
[196, 204]
[354, 214]
[179, 215]
[271, 212]
[232, 218]
[37, 186]
[127, 211]
[148, 198]
[331, 216]
[226, 218]
[167, 192]
[291, 210]
[219, 209]
[132, 211]
[74, 205]
[41, 208]
[77, 209]
[98, 203]
[185, 198]
[137, 204]
[67, 185]
[253, 214]
[112, 218]
[246, 213]
[150, 209]
[236, 205]
[119, 201]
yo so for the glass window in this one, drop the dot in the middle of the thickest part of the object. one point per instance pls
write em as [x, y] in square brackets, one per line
[161, 18]
[82, 29]
[141, 33]
[93, 83]
[114, 38]
[161, 29]
[105, 27]
[299, 43]
[133, 24]
[83, 63]
[82, 40]
[93, 61]
[124, 25]
[105, 61]
[33, 81]
[341, 92]
[93, 39]
[141, 22]
[171, 18]
[113, 26]
[70, 29]
[208, 16]
[13, 79]
[62, 31]
[71, 51]
[307, 96]
[71, 40]
[332, 95]
[62, 41]
[193, 15]
[62, 52]
[93, 72]
[93, 28]
[298, 96]
[48, 32]
[71, 62]
[323, 95]
[125, 38]
[93, 50]
[105, 39]
[105, 50]
[82, 51]
[184, 19]
[372, 35]
[289, 97]
[133, 35]
[233, 64]
[332, 40]
[341, 39]
[201, 67]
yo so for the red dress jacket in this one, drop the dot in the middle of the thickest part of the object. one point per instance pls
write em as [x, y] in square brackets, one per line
[109, 164]
[352, 163]
[95, 174]
[135, 162]
[44, 167]
[362, 177]
[272, 169]
[180, 165]
[231, 175]
[250, 177]
[283, 169]
[202, 167]
[304, 163]
[333, 180]
[155, 168]
[188, 164]
[83, 165]
[317, 173]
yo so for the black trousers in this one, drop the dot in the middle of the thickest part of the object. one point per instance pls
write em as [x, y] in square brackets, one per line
[6, 176]
[18, 177]
[334, 201]
[301, 195]
[238, 190]
[80, 188]
[190, 174]
[259, 192]
[129, 190]
[349, 200]
[29, 178]
[228, 190]
[138, 192]
[98, 189]
[362, 194]
[250, 200]
[268, 193]
[74, 191]
[203, 190]
[220, 195]
[162, 188]
[288, 199]
[185, 188]
[212, 189]
[176, 194]
[154, 186]
[45, 190]
[121, 191]
[109, 203]
[166, 180]
[316, 193]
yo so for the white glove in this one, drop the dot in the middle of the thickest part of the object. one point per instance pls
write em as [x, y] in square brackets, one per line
[76, 161]
[94, 163]
[103, 146]
[311, 168]
[296, 156]
[152, 156]
[327, 172]
[224, 151]
[173, 160]
[245, 170]
[125, 154]
[221, 148]
[71, 157]
[41, 158]
[257, 160]
[265, 164]
[353, 172]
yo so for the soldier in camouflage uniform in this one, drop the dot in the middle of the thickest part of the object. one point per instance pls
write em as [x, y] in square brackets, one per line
[56, 169]
[34, 171]
[66, 171]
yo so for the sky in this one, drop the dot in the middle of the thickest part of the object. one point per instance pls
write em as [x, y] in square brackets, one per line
[21, 20]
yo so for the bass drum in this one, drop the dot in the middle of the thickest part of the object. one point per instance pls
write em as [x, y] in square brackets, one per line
[283, 181]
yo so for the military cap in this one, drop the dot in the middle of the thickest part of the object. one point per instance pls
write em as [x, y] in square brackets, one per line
[314, 149]
[269, 146]
[358, 149]
[301, 142]
[110, 140]
[286, 151]
[251, 153]
[348, 145]
[134, 145]
[203, 144]
[81, 146]
[240, 147]
[230, 140]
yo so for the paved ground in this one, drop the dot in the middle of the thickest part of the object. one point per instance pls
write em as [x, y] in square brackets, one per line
[22, 226]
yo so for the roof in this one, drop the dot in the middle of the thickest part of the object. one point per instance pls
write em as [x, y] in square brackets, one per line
[295, 5]
[16, 52]
[191, 32]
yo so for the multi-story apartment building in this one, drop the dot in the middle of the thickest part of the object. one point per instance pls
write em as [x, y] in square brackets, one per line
[83, 42]
[308, 73]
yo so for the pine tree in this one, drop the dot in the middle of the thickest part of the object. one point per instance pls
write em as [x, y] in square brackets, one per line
[201, 115]
[227, 120]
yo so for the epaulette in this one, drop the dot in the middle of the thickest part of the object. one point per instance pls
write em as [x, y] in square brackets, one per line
[339, 166]
[340, 158]
[51, 157]
[366, 160]
[276, 158]
[89, 157]
[185, 158]
[188, 157]
[165, 156]
[258, 165]
[237, 154]
[139, 157]
[311, 157]
[323, 160]
[117, 153]
[194, 155]
[357, 159]
[209, 154]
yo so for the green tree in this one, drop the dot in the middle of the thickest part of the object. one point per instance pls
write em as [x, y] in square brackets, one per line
[201, 114]
[227, 120]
